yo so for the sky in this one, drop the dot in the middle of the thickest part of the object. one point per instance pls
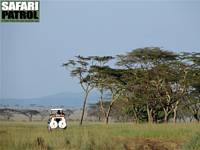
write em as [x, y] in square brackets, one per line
[31, 54]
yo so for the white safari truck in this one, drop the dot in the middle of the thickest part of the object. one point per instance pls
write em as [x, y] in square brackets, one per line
[57, 119]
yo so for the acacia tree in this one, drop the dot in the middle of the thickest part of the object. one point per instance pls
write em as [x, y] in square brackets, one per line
[7, 113]
[29, 113]
[107, 79]
[79, 67]
[162, 89]
[150, 61]
[100, 78]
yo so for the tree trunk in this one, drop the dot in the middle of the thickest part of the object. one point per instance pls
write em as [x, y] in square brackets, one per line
[135, 115]
[175, 114]
[108, 112]
[166, 118]
[175, 111]
[166, 113]
[84, 105]
[99, 118]
[101, 104]
[107, 119]
[149, 113]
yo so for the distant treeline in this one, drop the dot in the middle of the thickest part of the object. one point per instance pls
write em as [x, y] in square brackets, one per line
[9, 113]
[147, 84]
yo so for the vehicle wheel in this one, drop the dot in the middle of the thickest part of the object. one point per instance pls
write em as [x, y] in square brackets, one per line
[62, 124]
[53, 124]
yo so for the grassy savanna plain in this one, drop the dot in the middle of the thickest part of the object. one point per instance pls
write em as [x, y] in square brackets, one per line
[98, 136]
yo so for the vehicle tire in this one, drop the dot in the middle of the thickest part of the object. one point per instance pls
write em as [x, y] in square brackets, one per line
[62, 124]
[53, 124]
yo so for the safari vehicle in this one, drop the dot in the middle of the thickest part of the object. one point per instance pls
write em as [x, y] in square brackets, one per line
[57, 119]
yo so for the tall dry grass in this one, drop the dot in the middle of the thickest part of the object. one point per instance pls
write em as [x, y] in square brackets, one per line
[91, 136]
